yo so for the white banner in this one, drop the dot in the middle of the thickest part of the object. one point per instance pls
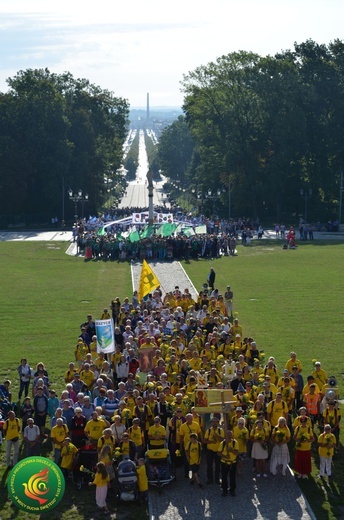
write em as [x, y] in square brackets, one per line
[159, 218]
[105, 336]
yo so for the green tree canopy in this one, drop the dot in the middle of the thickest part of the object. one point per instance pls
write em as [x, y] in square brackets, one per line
[57, 132]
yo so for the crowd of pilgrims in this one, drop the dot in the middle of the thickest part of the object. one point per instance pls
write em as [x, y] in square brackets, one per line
[108, 403]
[220, 238]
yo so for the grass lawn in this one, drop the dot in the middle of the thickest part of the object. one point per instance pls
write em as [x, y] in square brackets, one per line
[286, 300]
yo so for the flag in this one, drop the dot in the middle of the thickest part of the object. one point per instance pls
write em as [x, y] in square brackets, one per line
[201, 230]
[148, 281]
[167, 229]
[178, 229]
[147, 232]
[101, 231]
[188, 231]
[134, 236]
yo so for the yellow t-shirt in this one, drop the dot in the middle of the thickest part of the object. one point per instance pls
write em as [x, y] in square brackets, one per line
[241, 435]
[11, 428]
[88, 377]
[100, 481]
[135, 434]
[106, 441]
[303, 438]
[59, 434]
[95, 428]
[330, 441]
[187, 429]
[216, 436]
[67, 454]
[227, 451]
[276, 410]
[156, 430]
[142, 480]
[193, 450]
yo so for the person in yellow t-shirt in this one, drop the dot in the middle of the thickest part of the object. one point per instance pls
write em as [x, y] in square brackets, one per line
[80, 351]
[102, 482]
[68, 454]
[106, 439]
[228, 453]
[303, 436]
[190, 426]
[280, 454]
[136, 435]
[319, 374]
[11, 429]
[193, 451]
[58, 434]
[276, 409]
[87, 376]
[94, 427]
[326, 444]
[288, 393]
[195, 362]
[212, 438]
[293, 361]
[69, 374]
[142, 480]
[157, 434]
[242, 435]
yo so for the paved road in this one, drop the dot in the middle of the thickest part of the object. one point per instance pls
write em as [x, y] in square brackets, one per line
[137, 192]
[271, 498]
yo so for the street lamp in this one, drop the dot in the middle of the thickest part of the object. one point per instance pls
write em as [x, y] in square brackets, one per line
[213, 197]
[78, 197]
[307, 195]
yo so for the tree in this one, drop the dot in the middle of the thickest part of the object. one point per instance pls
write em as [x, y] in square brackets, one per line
[56, 131]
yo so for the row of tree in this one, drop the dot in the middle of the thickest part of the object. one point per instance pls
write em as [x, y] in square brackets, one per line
[57, 133]
[269, 127]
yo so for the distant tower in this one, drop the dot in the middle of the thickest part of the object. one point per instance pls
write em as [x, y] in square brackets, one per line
[147, 114]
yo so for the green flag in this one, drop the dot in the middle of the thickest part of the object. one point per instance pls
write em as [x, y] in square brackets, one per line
[188, 231]
[147, 232]
[178, 229]
[134, 236]
[101, 231]
[167, 229]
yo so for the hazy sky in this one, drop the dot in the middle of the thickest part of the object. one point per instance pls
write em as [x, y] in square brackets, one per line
[134, 46]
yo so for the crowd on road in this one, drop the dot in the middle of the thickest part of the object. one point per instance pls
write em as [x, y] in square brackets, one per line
[112, 407]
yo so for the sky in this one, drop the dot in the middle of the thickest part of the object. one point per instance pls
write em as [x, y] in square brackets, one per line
[135, 47]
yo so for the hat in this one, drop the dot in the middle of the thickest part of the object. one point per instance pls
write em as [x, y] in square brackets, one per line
[317, 363]
[237, 336]
[238, 409]
[266, 383]
[214, 418]
[295, 367]
[286, 370]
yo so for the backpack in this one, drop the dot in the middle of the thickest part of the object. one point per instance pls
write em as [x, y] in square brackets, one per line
[102, 439]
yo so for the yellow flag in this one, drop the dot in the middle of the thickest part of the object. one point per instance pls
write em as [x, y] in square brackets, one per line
[148, 281]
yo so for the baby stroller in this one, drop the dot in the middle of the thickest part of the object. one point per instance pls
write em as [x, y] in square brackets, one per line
[160, 470]
[127, 481]
[84, 466]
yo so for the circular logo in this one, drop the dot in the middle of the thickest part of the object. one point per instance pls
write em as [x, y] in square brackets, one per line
[36, 485]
